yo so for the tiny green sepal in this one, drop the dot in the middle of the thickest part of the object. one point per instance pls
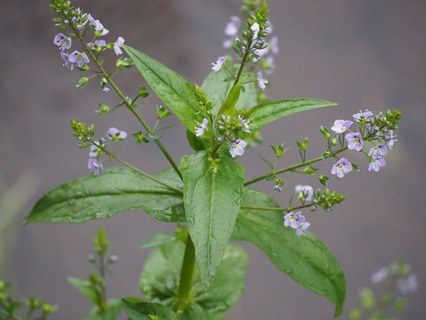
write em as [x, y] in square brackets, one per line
[82, 82]
[104, 109]
[123, 63]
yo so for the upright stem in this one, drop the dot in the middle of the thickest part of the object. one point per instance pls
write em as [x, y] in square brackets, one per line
[184, 293]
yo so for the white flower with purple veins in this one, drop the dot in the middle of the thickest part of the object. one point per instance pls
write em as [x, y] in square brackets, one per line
[341, 168]
[260, 81]
[255, 28]
[62, 41]
[237, 148]
[216, 66]
[231, 29]
[301, 231]
[67, 64]
[97, 43]
[378, 151]
[117, 46]
[408, 285]
[78, 58]
[294, 220]
[341, 126]
[200, 131]
[115, 134]
[354, 140]
[380, 275]
[376, 164]
[97, 25]
[390, 139]
[95, 167]
[306, 192]
[362, 116]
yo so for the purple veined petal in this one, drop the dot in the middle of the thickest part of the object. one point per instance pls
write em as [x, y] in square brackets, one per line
[376, 164]
[341, 126]
[294, 220]
[115, 134]
[362, 116]
[67, 63]
[301, 231]
[341, 168]
[378, 151]
[202, 127]
[117, 46]
[97, 43]
[216, 66]
[93, 151]
[95, 167]
[354, 140]
[260, 81]
[237, 148]
[78, 58]
[62, 41]
[306, 191]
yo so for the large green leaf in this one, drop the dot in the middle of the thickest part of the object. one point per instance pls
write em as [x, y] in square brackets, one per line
[145, 310]
[268, 112]
[115, 191]
[176, 93]
[212, 201]
[216, 88]
[305, 259]
[84, 287]
[196, 312]
[159, 279]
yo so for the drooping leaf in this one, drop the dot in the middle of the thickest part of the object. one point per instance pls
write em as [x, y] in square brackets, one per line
[147, 310]
[159, 279]
[212, 201]
[216, 88]
[268, 112]
[305, 259]
[115, 191]
[84, 287]
[176, 93]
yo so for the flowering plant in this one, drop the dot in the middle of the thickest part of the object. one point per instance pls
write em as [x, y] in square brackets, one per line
[195, 273]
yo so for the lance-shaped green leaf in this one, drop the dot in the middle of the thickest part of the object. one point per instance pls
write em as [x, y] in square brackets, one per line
[115, 191]
[305, 259]
[176, 93]
[268, 112]
[143, 310]
[85, 288]
[160, 277]
[212, 201]
[217, 89]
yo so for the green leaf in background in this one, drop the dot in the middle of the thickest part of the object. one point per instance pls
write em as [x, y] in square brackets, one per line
[84, 287]
[159, 279]
[212, 201]
[216, 88]
[112, 313]
[195, 142]
[305, 259]
[268, 112]
[115, 191]
[196, 312]
[147, 310]
[157, 240]
[176, 93]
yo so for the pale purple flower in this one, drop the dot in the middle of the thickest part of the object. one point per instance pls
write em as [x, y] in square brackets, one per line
[260, 81]
[97, 25]
[95, 167]
[227, 43]
[78, 58]
[237, 148]
[301, 231]
[269, 28]
[216, 66]
[115, 134]
[378, 151]
[305, 191]
[95, 150]
[67, 64]
[341, 126]
[376, 164]
[62, 41]
[341, 168]
[278, 187]
[200, 131]
[275, 49]
[106, 90]
[362, 116]
[117, 46]
[245, 124]
[294, 220]
[255, 28]
[97, 43]
[354, 140]
[390, 139]
[232, 26]
[408, 285]
[380, 275]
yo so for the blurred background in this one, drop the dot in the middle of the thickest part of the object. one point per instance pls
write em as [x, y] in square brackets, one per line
[360, 54]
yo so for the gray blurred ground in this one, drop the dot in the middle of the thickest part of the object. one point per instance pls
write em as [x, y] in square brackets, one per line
[361, 54]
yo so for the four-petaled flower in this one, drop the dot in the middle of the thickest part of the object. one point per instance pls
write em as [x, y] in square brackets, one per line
[237, 148]
[304, 192]
[341, 168]
[62, 41]
[341, 126]
[294, 220]
[301, 231]
[95, 167]
[376, 164]
[67, 63]
[117, 46]
[216, 66]
[97, 25]
[354, 140]
[260, 81]
[390, 139]
[362, 116]
[115, 134]
[97, 43]
[78, 58]
[200, 131]
[378, 151]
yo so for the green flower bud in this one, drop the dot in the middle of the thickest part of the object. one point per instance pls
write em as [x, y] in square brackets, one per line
[47, 308]
[82, 82]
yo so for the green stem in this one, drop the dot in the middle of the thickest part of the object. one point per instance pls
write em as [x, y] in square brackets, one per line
[185, 284]
[243, 61]
[129, 105]
[297, 166]
[9, 316]
[277, 209]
